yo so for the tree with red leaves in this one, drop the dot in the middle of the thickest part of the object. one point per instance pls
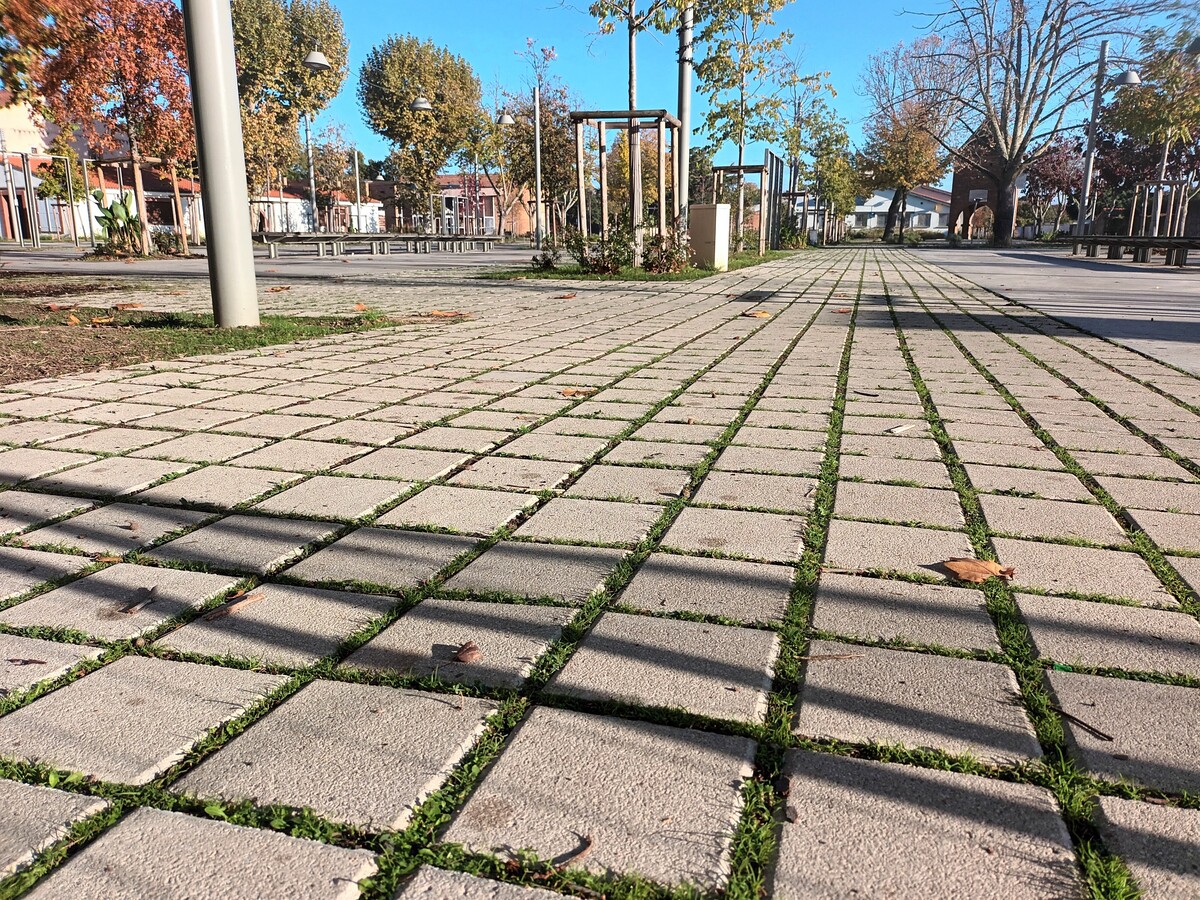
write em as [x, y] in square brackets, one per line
[1054, 177]
[120, 75]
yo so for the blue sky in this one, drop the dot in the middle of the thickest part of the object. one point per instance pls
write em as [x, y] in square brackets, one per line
[834, 36]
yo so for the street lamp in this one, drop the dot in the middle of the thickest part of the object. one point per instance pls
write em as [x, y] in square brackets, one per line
[1128, 77]
[505, 119]
[314, 62]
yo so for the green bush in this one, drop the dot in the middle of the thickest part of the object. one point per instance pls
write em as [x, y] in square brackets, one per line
[602, 255]
[667, 253]
[913, 239]
[119, 226]
[547, 259]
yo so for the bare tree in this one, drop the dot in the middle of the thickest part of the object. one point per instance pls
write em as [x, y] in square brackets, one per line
[1023, 67]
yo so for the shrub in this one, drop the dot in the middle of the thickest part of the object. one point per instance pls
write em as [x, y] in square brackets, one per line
[119, 226]
[602, 255]
[667, 253]
[912, 239]
[954, 238]
[547, 259]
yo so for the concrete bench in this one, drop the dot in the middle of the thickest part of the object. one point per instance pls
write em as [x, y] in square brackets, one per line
[1142, 246]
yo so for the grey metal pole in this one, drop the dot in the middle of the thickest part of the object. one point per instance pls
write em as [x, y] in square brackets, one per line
[87, 203]
[1089, 160]
[222, 157]
[14, 212]
[357, 194]
[71, 199]
[312, 171]
[683, 146]
[31, 203]
[537, 163]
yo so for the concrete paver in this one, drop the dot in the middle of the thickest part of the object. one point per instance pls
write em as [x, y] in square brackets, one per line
[26, 661]
[354, 753]
[630, 483]
[20, 510]
[565, 573]
[1052, 519]
[1062, 569]
[757, 535]
[254, 544]
[590, 521]
[565, 775]
[329, 497]
[1161, 845]
[892, 503]
[131, 720]
[22, 570]
[218, 487]
[382, 556]
[467, 510]
[892, 548]
[440, 884]
[861, 828]
[154, 853]
[732, 589]
[1171, 531]
[32, 818]
[115, 528]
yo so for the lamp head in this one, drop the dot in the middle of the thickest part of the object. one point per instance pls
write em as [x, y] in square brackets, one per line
[316, 62]
[505, 119]
[1128, 78]
[421, 105]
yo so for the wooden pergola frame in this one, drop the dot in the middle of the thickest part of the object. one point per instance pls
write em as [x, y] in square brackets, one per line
[630, 120]
[770, 189]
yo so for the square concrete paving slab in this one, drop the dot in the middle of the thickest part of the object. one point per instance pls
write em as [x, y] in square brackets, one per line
[680, 434]
[24, 434]
[767, 461]
[718, 671]
[404, 463]
[459, 509]
[382, 556]
[428, 883]
[353, 753]
[570, 425]
[1160, 844]
[732, 589]
[219, 487]
[331, 497]
[1025, 456]
[115, 528]
[271, 425]
[238, 543]
[112, 440]
[32, 818]
[1171, 531]
[1153, 734]
[1105, 635]
[658, 453]
[630, 483]
[567, 574]
[120, 602]
[780, 439]
[515, 474]
[20, 510]
[465, 440]
[300, 456]
[1189, 569]
[1030, 482]
[889, 447]
[425, 640]
[859, 828]
[892, 548]
[360, 431]
[656, 801]
[1141, 493]
[915, 505]
[880, 609]
[567, 448]
[110, 477]
[202, 447]
[912, 471]
[25, 662]
[1025, 517]
[757, 535]
[1061, 569]
[168, 855]
[783, 493]
[21, 570]
[1129, 465]
[26, 463]
[131, 720]
[591, 521]
[285, 626]
[914, 699]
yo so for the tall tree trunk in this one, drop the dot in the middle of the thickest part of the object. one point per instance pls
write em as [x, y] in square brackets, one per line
[635, 143]
[183, 241]
[139, 194]
[741, 205]
[1006, 211]
[893, 213]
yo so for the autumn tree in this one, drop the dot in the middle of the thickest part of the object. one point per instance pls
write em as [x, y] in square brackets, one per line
[737, 77]
[397, 72]
[804, 96]
[32, 32]
[1053, 179]
[138, 102]
[618, 170]
[1023, 67]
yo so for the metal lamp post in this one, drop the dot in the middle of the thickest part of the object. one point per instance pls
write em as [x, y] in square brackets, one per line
[505, 119]
[1128, 77]
[314, 62]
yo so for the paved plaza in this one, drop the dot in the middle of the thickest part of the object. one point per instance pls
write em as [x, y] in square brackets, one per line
[619, 590]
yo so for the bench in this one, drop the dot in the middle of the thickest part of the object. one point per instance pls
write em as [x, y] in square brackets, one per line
[1142, 246]
[335, 244]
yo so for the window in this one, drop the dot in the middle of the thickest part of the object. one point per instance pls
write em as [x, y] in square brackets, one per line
[860, 220]
[921, 220]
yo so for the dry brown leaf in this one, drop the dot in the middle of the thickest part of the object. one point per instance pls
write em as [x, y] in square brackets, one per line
[279, 288]
[468, 653]
[141, 599]
[236, 606]
[21, 661]
[756, 314]
[361, 307]
[102, 320]
[107, 559]
[131, 526]
[569, 295]
[843, 310]
[129, 305]
[446, 313]
[977, 571]
[576, 392]
[60, 307]
[72, 319]
[584, 848]
[691, 421]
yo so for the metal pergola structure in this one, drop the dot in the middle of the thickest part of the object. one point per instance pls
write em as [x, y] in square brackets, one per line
[770, 175]
[633, 121]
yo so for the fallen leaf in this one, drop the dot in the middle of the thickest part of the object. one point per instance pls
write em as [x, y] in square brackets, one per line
[236, 606]
[107, 559]
[468, 653]
[72, 319]
[977, 571]
[446, 313]
[584, 848]
[131, 526]
[102, 320]
[141, 599]
[279, 288]
[843, 310]
[576, 392]
[60, 307]
[361, 307]
[18, 661]
[130, 305]
[691, 421]
[756, 314]
[569, 295]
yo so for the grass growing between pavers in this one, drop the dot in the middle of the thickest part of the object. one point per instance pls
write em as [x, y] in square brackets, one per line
[36, 342]
[573, 272]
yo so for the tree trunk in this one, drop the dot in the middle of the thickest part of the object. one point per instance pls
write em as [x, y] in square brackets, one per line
[893, 213]
[183, 241]
[741, 205]
[635, 143]
[139, 194]
[1006, 212]
[902, 213]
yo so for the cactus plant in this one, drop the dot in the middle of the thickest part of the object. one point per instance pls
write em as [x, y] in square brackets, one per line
[120, 227]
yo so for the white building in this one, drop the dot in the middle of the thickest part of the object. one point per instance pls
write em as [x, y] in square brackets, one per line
[926, 209]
